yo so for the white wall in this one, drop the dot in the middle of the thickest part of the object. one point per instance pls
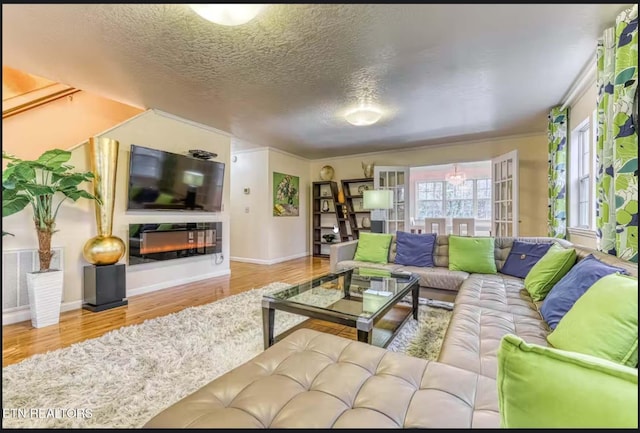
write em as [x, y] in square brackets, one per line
[251, 212]
[76, 221]
[258, 236]
[289, 236]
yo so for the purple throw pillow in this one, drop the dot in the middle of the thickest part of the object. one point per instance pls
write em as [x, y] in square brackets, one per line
[572, 286]
[415, 249]
[522, 257]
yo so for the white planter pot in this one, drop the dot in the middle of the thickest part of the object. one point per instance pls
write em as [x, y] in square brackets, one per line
[45, 297]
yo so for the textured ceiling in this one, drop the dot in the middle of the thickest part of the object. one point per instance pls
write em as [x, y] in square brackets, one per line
[444, 72]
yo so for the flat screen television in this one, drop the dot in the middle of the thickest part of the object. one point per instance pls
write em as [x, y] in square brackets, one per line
[160, 180]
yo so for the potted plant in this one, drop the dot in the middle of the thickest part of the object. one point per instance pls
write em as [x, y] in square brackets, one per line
[45, 184]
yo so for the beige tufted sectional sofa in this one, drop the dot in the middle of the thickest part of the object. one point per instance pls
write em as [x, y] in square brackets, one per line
[316, 380]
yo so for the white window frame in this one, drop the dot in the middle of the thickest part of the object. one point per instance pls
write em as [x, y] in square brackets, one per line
[444, 198]
[582, 136]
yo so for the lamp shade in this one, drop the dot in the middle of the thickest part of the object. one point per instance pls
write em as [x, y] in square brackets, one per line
[377, 199]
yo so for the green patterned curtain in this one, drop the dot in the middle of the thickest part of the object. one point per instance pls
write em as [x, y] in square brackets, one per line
[617, 144]
[557, 132]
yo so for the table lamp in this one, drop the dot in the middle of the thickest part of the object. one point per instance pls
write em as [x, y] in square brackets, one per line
[377, 201]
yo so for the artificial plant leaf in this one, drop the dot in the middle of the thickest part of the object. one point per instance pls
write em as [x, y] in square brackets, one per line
[8, 184]
[7, 173]
[37, 190]
[74, 194]
[54, 158]
[23, 171]
[10, 157]
[71, 181]
[11, 205]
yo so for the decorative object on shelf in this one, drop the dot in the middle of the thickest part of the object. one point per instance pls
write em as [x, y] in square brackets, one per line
[37, 183]
[456, 178]
[323, 221]
[104, 249]
[202, 154]
[329, 237]
[362, 189]
[327, 172]
[326, 193]
[368, 169]
[228, 14]
[341, 198]
[325, 206]
[366, 223]
[286, 195]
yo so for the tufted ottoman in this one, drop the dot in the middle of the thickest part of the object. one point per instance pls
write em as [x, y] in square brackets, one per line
[316, 380]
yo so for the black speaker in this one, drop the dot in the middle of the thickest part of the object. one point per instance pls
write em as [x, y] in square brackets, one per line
[105, 287]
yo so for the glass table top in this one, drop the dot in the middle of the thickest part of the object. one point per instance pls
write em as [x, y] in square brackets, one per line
[358, 292]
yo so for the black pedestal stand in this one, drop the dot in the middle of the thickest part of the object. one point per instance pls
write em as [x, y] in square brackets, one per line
[105, 287]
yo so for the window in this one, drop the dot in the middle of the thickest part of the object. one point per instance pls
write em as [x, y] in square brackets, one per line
[430, 203]
[581, 189]
[438, 199]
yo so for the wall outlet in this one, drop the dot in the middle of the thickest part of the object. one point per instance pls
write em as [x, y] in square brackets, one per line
[246, 209]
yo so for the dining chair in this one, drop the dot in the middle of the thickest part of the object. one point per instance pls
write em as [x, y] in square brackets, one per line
[435, 225]
[464, 226]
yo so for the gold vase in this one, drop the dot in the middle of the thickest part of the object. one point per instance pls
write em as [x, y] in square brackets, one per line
[104, 249]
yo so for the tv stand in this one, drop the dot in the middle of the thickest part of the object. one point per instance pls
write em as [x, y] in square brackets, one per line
[156, 242]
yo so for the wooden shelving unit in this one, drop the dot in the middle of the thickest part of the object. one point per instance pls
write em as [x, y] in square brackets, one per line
[323, 221]
[353, 192]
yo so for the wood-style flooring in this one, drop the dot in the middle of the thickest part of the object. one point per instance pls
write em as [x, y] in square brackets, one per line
[21, 340]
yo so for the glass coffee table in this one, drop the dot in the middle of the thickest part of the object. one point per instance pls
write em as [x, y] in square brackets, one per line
[357, 297]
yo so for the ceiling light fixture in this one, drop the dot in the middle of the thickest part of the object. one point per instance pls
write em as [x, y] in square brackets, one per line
[456, 178]
[228, 14]
[363, 115]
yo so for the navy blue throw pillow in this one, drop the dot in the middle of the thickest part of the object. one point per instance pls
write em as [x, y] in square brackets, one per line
[522, 257]
[415, 249]
[573, 285]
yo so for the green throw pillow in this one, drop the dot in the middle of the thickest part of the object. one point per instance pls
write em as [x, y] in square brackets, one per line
[473, 255]
[603, 322]
[373, 247]
[542, 387]
[548, 271]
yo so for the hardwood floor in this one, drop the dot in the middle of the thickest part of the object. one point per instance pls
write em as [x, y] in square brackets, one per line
[21, 340]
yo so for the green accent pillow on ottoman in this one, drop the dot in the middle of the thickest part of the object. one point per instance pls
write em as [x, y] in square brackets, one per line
[373, 247]
[542, 387]
[473, 255]
[548, 271]
[603, 322]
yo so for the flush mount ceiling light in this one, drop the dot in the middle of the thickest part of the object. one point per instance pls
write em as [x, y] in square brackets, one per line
[228, 14]
[363, 115]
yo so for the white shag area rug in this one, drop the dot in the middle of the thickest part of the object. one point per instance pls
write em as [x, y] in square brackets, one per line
[125, 377]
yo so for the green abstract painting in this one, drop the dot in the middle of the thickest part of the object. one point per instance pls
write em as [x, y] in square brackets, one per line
[286, 195]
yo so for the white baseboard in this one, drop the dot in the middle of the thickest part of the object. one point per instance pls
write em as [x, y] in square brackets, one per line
[23, 314]
[173, 283]
[269, 262]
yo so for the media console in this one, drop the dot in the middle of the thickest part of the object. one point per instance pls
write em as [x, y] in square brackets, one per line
[156, 242]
